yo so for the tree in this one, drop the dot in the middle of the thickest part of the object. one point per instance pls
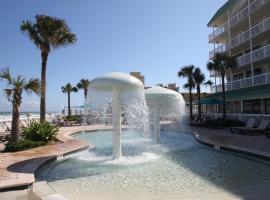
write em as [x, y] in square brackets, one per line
[68, 88]
[209, 83]
[83, 85]
[199, 79]
[15, 87]
[221, 63]
[47, 33]
[187, 72]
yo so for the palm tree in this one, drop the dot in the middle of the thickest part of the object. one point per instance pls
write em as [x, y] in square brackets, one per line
[221, 63]
[68, 88]
[83, 85]
[187, 71]
[16, 86]
[209, 83]
[47, 33]
[198, 78]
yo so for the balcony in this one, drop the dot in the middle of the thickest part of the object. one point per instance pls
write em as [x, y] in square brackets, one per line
[243, 37]
[243, 83]
[257, 55]
[240, 16]
[222, 48]
[219, 30]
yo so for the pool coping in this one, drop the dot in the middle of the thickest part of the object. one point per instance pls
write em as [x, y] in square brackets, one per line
[24, 180]
[228, 148]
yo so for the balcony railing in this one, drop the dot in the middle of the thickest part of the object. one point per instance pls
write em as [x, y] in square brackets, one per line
[243, 37]
[238, 17]
[219, 30]
[243, 83]
[257, 55]
[220, 49]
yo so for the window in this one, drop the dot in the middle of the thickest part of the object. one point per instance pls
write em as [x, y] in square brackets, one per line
[252, 106]
[238, 76]
[267, 106]
[248, 73]
[257, 71]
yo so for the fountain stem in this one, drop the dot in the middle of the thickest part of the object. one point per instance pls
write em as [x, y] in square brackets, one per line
[156, 113]
[116, 122]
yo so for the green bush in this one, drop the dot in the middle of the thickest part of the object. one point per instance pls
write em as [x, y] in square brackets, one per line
[44, 132]
[22, 145]
[72, 118]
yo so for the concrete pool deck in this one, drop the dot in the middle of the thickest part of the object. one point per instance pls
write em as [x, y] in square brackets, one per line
[257, 146]
[18, 169]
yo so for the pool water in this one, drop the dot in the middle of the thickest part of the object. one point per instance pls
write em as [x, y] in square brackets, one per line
[178, 168]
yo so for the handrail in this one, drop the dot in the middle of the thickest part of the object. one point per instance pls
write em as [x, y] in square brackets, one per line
[260, 79]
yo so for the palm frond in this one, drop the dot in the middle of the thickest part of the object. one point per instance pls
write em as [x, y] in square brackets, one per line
[198, 76]
[209, 82]
[32, 32]
[8, 93]
[33, 85]
[5, 75]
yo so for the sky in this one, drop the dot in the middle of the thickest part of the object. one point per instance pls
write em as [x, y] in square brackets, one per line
[155, 37]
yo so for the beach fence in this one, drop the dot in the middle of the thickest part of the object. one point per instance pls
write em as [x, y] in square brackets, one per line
[5, 122]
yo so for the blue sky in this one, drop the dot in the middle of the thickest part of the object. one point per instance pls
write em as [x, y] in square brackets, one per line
[155, 37]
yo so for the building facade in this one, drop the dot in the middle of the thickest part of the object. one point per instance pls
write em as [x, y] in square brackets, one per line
[241, 29]
[138, 75]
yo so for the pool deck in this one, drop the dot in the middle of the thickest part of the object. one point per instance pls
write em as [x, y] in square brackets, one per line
[258, 145]
[18, 169]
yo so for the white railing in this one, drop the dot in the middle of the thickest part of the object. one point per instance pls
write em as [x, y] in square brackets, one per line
[222, 48]
[235, 19]
[255, 5]
[243, 37]
[218, 31]
[260, 27]
[243, 83]
[257, 55]
[239, 16]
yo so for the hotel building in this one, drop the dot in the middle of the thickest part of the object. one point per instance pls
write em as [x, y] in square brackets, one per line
[241, 28]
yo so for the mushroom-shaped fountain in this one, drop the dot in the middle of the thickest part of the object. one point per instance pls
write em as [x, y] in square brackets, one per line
[116, 83]
[162, 101]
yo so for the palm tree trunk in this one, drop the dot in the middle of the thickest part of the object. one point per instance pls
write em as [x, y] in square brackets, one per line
[199, 101]
[15, 127]
[44, 57]
[85, 93]
[223, 97]
[69, 110]
[190, 105]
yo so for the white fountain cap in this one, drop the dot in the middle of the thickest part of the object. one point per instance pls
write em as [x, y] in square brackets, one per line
[165, 98]
[116, 80]
[160, 93]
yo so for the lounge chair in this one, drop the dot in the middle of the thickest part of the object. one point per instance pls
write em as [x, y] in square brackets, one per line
[4, 135]
[8, 126]
[194, 121]
[260, 129]
[23, 124]
[239, 129]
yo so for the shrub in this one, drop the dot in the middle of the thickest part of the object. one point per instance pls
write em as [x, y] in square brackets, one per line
[22, 145]
[44, 132]
[72, 118]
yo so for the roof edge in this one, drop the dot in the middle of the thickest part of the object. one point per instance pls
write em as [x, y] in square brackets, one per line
[221, 10]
